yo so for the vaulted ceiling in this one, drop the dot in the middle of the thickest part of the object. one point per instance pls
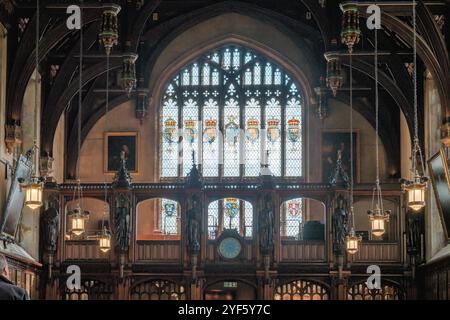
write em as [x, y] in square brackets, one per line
[146, 27]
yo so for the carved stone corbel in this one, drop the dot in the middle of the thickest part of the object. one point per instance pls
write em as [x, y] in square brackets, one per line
[13, 137]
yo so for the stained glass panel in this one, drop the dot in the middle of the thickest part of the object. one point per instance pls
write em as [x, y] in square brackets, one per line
[248, 219]
[169, 217]
[292, 219]
[169, 145]
[234, 88]
[252, 138]
[273, 135]
[190, 134]
[293, 140]
[213, 220]
[232, 139]
[210, 138]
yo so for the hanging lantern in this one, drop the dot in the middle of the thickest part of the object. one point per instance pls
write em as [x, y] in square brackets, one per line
[378, 217]
[334, 78]
[109, 33]
[352, 242]
[350, 33]
[104, 241]
[128, 79]
[322, 107]
[415, 190]
[33, 193]
[78, 219]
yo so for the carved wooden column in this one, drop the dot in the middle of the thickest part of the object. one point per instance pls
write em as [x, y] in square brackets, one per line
[194, 216]
[122, 217]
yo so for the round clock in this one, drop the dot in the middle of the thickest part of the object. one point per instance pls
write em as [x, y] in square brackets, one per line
[230, 248]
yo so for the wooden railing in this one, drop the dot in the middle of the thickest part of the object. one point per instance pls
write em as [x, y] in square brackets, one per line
[303, 251]
[84, 250]
[378, 252]
[158, 251]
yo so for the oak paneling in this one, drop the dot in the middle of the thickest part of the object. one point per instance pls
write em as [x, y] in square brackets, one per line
[294, 251]
[167, 251]
[378, 252]
[84, 250]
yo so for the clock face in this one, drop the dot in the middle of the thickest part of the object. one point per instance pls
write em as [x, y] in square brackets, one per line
[230, 248]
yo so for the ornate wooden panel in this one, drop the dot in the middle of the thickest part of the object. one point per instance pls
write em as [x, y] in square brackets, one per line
[167, 251]
[379, 252]
[84, 250]
[295, 251]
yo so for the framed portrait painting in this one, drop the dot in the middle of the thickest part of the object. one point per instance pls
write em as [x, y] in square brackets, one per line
[120, 145]
[336, 142]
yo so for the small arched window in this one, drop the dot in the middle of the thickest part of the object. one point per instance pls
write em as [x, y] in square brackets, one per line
[158, 290]
[235, 109]
[230, 213]
[301, 290]
[360, 291]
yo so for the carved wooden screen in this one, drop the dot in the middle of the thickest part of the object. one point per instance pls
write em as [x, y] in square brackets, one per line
[89, 290]
[360, 291]
[232, 106]
[158, 290]
[301, 290]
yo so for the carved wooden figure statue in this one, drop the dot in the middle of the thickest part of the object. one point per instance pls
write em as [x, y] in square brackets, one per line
[50, 226]
[266, 223]
[194, 217]
[122, 222]
[339, 219]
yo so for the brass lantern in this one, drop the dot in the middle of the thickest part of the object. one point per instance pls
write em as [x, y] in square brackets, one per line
[33, 193]
[77, 219]
[109, 33]
[378, 219]
[334, 78]
[352, 242]
[350, 33]
[415, 190]
[128, 79]
[104, 241]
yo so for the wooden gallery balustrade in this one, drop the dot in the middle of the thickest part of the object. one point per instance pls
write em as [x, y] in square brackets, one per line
[290, 258]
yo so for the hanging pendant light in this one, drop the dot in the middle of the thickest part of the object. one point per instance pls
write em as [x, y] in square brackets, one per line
[417, 185]
[377, 215]
[350, 33]
[352, 242]
[33, 192]
[109, 33]
[415, 190]
[34, 188]
[334, 78]
[128, 79]
[78, 218]
[104, 241]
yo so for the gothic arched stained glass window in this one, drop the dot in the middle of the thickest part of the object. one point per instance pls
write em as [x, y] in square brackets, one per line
[235, 109]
